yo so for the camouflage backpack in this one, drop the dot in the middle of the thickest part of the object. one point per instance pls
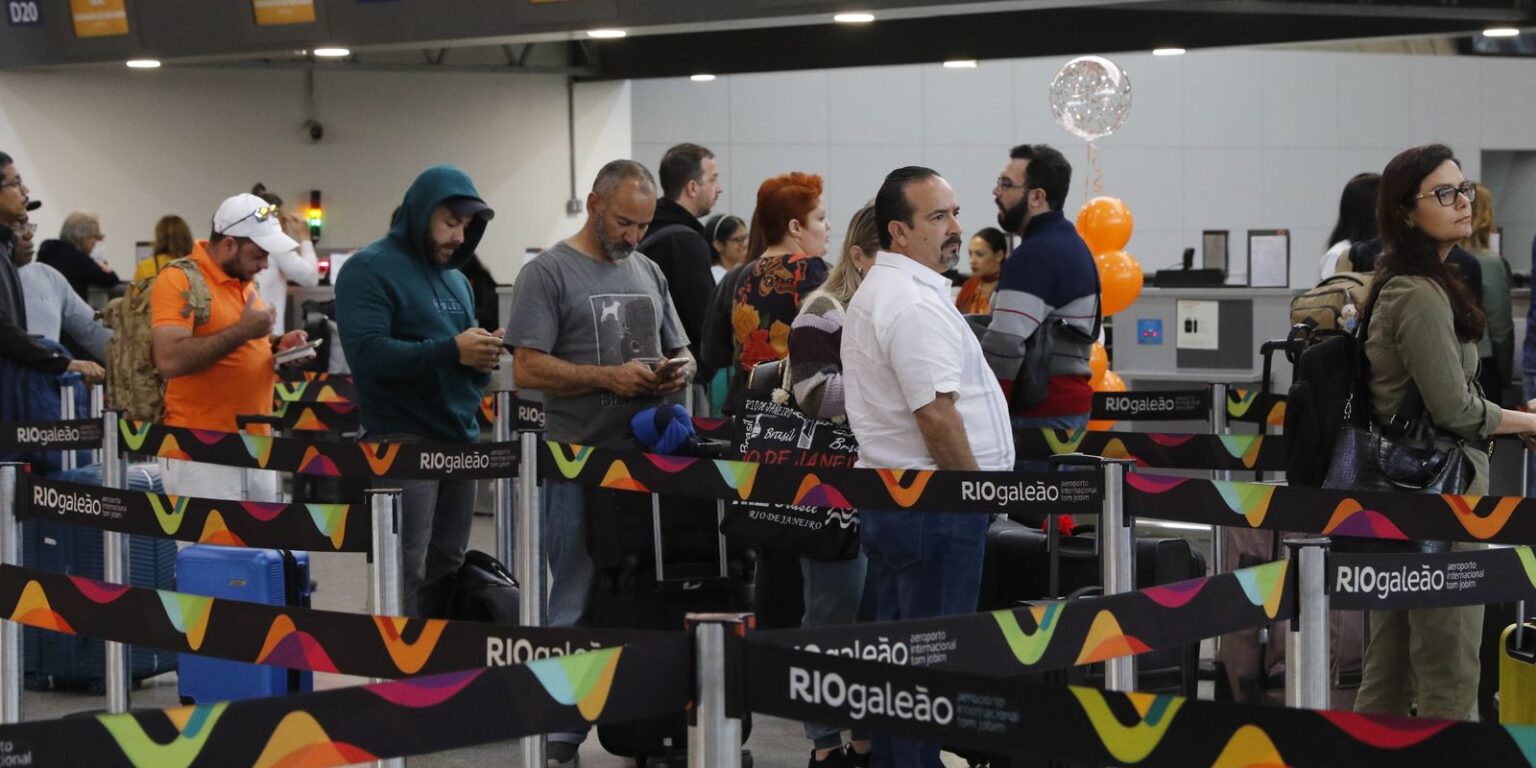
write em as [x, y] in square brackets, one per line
[132, 383]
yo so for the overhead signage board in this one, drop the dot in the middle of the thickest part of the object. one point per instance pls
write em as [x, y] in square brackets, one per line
[99, 18]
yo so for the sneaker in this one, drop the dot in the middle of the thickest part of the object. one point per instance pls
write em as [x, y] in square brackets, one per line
[837, 759]
[558, 754]
[857, 760]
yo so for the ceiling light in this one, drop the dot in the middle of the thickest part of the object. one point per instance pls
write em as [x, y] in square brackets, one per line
[1501, 32]
[960, 64]
[702, 78]
[332, 53]
[854, 18]
[1167, 51]
[143, 63]
[606, 34]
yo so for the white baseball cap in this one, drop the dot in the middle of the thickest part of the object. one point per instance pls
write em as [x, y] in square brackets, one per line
[249, 216]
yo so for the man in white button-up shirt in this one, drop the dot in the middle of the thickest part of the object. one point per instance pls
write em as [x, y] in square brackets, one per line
[920, 395]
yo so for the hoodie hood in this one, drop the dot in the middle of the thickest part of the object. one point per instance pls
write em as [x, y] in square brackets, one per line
[412, 225]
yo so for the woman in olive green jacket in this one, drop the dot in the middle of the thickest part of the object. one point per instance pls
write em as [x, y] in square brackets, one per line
[1424, 327]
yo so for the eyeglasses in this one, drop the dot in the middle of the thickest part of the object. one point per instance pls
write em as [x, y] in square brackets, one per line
[736, 239]
[1003, 182]
[1446, 194]
[16, 182]
[260, 214]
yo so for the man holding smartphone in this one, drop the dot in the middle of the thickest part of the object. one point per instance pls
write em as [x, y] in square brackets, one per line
[420, 360]
[595, 332]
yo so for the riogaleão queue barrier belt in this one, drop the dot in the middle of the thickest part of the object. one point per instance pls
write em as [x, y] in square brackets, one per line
[322, 457]
[324, 527]
[1060, 634]
[74, 435]
[365, 723]
[836, 488]
[284, 636]
[1363, 514]
[1086, 726]
[1251, 453]
[1379, 582]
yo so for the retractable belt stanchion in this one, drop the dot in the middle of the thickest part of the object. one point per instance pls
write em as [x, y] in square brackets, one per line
[114, 565]
[528, 561]
[67, 413]
[1119, 544]
[387, 576]
[10, 631]
[1219, 426]
[98, 401]
[714, 737]
[502, 488]
[1306, 644]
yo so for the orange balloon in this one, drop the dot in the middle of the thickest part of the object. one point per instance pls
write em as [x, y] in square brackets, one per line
[1121, 278]
[1098, 362]
[1105, 224]
[1111, 383]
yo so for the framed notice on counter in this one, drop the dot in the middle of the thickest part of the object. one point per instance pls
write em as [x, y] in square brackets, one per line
[1269, 258]
[1213, 249]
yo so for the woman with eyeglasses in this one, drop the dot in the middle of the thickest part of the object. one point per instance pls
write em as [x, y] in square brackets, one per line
[1422, 334]
[727, 236]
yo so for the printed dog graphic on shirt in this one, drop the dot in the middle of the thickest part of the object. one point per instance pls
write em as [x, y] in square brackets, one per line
[626, 327]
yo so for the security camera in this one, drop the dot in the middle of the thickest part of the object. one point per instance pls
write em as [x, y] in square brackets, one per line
[314, 130]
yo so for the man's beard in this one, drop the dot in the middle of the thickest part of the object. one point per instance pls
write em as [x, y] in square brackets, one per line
[615, 250]
[950, 259]
[1012, 219]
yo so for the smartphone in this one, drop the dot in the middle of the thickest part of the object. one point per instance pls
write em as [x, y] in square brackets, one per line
[667, 367]
[302, 352]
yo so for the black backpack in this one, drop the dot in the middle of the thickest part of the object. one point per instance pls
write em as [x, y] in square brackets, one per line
[482, 590]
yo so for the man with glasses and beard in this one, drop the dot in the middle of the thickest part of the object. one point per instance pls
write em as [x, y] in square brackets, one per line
[1049, 284]
[593, 329]
[211, 340]
[919, 396]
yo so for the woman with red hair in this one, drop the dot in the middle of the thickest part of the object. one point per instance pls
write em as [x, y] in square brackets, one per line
[790, 231]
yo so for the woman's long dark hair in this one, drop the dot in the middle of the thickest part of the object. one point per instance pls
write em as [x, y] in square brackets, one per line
[1357, 210]
[1406, 250]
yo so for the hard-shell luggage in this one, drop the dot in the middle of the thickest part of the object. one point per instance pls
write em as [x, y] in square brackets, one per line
[270, 576]
[1517, 672]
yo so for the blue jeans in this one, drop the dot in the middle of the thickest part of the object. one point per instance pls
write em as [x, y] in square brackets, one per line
[833, 591]
[921, 564]
[570, 567]
[435, 518]
[1074, 421]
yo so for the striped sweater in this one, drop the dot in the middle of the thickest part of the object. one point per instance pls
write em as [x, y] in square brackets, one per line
[815, 357]
[1050, 277]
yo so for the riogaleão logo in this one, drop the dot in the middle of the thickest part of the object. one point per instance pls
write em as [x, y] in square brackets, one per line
[569, 466]
[380, 461]
[905, 494]
[409, 656]
[169, 519]
[193, 727]
[1129, 743]
[134, 433]
[1483, 528]
[583, 679]
[1067, 444]
[1029, 647]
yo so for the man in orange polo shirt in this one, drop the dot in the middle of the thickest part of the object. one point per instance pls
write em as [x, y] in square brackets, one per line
[212, 343]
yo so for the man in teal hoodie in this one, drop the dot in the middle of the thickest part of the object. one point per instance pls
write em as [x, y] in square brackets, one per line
[407, 321]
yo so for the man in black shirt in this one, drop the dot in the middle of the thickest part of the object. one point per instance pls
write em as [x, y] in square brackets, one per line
[690, 185]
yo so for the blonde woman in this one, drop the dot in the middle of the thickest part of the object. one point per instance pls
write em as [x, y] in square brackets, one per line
[1496, 348]
[833, 588]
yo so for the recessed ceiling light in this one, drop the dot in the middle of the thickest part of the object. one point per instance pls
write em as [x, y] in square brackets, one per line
[960, 64]
[854, 18]
[1167, 51]
[606, 34]
[143, 63]
[702, 78]
[1501, 32]
[332, 53]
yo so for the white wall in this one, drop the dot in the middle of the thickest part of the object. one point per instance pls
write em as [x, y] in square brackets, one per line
[134, 146]
[1227, 139]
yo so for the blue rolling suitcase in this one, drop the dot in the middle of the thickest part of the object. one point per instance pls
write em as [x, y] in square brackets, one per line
[271, 576]
[54, 660]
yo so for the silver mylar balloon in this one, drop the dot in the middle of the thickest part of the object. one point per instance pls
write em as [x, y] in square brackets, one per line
[1091, 97]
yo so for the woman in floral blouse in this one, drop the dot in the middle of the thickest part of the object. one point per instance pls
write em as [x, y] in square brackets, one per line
[789, 229]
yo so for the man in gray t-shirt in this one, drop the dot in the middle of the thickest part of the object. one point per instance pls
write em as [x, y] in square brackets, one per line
[591, 320]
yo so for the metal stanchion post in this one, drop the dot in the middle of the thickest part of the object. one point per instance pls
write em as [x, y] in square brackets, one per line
[67, 413]
[114, 566]
[1525, 469]
[714, 739]
[1118, 542]
[387, 576]
[10, 631]
[528, 562]
[98, 401]
[1219, 426]
[1306, 644]
[502, 487]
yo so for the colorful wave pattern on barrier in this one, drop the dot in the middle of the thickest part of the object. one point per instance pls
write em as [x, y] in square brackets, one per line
[1392, 516]
[296, 638]
[328, 458]
[364, 723]
[1152, 449]
[1244, 405]
[834, 488]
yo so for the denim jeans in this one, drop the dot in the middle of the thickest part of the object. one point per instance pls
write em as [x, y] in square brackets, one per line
[1073, 421]
[833, 591]
[921, 564]
[570, 567]
[435, 518]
